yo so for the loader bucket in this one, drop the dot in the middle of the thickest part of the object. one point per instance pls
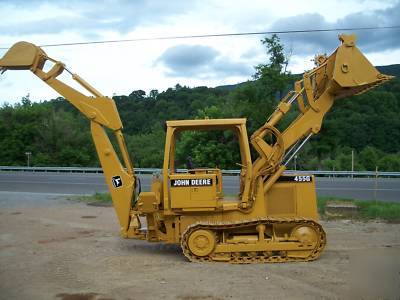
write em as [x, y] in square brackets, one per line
[22, 56]
[352, 73]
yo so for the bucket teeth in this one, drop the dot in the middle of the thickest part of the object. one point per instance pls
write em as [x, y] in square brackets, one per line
[377, 83]
[358, 90]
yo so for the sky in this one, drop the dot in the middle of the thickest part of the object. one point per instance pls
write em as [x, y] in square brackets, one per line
[120, 68]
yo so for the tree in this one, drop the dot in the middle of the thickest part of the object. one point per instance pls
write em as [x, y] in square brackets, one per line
[389, 162]
[153, 94]
[137, 95]
[273, 75]
[369, 157]
[26, 101]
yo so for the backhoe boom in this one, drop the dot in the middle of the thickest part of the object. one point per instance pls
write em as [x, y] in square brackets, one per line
[100, 110]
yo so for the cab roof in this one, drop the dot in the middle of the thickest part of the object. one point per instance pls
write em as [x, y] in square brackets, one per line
[206, 124]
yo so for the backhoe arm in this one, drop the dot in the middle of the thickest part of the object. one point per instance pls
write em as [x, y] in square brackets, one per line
[100, 110]
[344, 73]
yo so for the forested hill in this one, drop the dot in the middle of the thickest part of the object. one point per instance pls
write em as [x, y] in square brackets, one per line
[393, 70]
[57, 135]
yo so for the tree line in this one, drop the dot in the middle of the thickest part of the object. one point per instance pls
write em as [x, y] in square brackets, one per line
[58, 135]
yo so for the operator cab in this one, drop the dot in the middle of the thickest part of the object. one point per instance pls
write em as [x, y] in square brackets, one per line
[201, 188]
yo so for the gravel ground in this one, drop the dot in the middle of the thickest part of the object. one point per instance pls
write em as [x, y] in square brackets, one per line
[52, 248]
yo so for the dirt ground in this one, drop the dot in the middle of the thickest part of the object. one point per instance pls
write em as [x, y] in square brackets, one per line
[58, 249]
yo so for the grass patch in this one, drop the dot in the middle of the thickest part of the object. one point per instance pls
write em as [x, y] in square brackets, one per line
[379, 210]
[367, 210]
[323, 201]
[103, 198]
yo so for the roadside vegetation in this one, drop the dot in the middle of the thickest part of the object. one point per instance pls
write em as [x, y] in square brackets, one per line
[366, 209]
[97, 199]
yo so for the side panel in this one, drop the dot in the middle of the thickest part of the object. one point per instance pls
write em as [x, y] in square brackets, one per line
[293, 196]
[282, 200]
[307, 200]
[193, 190]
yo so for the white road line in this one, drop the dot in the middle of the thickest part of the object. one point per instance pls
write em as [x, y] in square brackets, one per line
[357, 189]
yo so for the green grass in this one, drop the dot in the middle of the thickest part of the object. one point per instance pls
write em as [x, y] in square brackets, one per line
[97, 197]
[323, 201]
[368, 210]
[379, 210]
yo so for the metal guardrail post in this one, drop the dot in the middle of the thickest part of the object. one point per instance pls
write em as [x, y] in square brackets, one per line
[376, 182]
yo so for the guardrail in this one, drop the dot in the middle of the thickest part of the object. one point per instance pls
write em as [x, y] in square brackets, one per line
[225, 172]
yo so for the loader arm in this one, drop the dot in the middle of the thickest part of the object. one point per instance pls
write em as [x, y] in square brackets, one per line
[100, 110]
[345, 72]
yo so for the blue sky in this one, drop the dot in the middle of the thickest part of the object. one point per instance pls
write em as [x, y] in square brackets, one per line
[122, 68]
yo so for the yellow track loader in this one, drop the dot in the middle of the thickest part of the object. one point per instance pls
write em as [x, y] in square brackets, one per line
[274, 216]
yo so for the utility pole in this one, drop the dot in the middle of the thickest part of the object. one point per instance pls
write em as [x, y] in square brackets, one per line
[28, 154]
[295, 162]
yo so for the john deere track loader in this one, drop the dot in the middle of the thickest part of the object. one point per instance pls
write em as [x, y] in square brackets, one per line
[274, 216]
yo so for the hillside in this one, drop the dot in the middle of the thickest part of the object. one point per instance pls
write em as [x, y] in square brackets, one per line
[57, 134]
[393, 70]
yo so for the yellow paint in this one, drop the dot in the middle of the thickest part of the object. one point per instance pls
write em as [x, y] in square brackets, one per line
[272, 219]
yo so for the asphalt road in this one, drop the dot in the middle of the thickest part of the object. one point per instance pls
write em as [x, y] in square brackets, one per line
[67, 183]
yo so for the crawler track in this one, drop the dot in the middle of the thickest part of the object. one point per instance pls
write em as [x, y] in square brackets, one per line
[259, 256]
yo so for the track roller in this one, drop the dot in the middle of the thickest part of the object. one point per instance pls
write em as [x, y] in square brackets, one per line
[254, 241]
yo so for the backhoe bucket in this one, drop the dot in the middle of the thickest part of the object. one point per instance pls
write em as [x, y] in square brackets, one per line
[352, 73]
[22, 56]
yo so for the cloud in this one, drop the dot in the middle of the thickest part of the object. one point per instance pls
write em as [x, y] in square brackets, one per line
[370, 41]
[200, 62]
[87, 18]
[227, 67]
[188, 58]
